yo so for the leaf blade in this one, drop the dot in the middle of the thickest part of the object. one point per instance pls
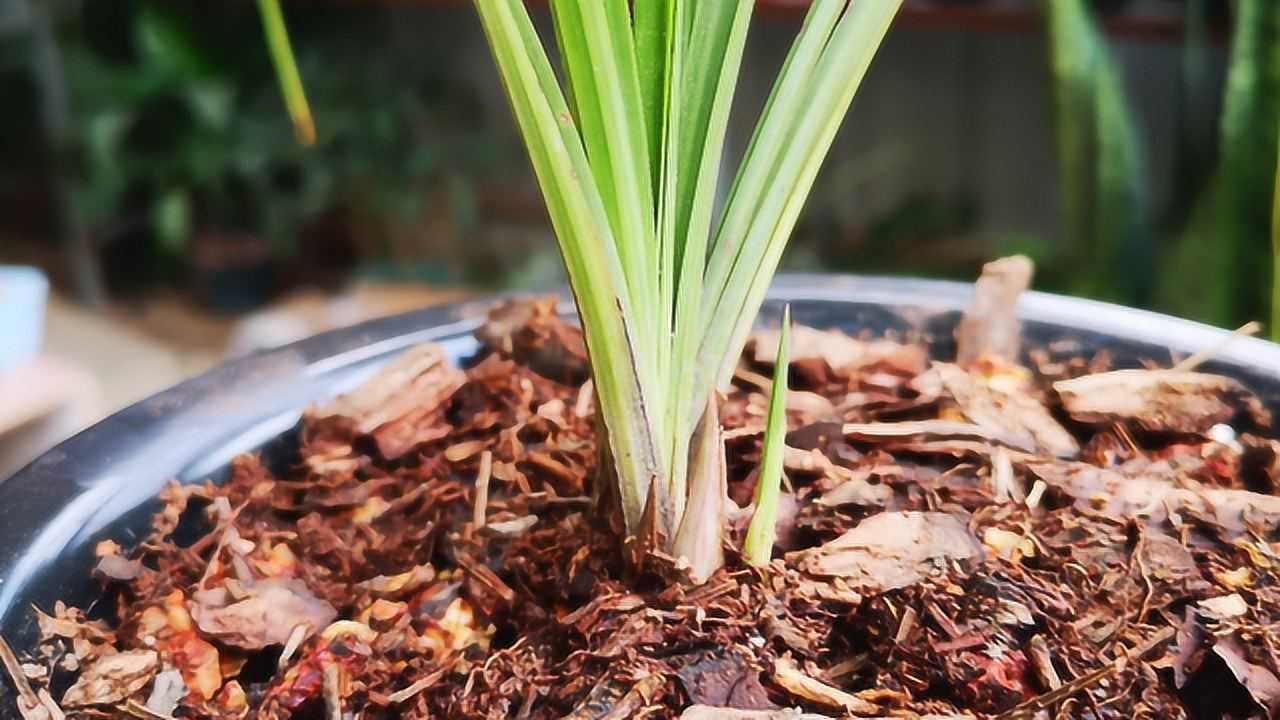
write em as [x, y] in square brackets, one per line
[757, 549]
[583, 230]
[295, 98]
[825, 101]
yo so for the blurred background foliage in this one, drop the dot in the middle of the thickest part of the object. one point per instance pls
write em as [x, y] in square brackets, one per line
[181, 169]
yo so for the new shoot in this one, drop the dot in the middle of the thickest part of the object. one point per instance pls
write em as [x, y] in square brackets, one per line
[757, 549]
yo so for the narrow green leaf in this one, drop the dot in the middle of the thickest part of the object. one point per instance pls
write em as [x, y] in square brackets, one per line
[295, 99]
[672, 366]
[582, 227]
[704, 92]
[1100, 161]
[757, 549]
[654, 25]
[820, 107]
[1213, 273]
[599, 58]
[718, 33]
[1275, 249]
[772, 133]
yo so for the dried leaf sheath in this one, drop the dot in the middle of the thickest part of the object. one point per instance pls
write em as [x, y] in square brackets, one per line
[699, 538]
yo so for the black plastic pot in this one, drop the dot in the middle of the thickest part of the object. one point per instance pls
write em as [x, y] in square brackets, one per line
[102, 482]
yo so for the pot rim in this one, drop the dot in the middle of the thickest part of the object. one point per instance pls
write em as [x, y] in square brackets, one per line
[74, 490]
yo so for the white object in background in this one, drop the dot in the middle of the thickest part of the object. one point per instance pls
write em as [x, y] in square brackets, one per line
[24, 291]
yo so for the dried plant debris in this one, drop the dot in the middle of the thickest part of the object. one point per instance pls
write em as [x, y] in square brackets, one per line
[953, 547]
[990, 328]
[892, 550]
[1159, 400]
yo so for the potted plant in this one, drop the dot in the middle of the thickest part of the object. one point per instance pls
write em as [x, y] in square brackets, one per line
[520, 517]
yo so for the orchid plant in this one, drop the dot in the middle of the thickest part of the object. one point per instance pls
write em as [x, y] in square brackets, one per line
[627, 145]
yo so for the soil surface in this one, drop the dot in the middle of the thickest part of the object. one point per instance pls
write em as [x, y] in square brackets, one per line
[993, 538]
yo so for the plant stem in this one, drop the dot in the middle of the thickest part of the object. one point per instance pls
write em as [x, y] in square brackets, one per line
[295, 99]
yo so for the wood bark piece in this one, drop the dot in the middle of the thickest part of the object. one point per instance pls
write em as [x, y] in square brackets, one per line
[1007, 412]
[708, 712]
[894, 550]
[531, 331]
[1148, 494]
[113, 678]
[266, 617]
[791, 678]
[838, 351]
[724, 679]
[421, 376]
[1159, 400]
[990, 326]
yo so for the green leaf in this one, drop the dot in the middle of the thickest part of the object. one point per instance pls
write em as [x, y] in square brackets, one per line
[702, 97]
[171, 220]
[783, 162]
[295, 99]
[1213, 274]
[655, 34]
[757, 549]
[586, 244]
[600, 63]
[1275, 250]
[1100, 160]
[167, 41]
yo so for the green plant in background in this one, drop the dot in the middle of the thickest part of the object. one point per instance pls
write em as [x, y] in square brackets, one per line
[1275, 252]
[1101, 170]
[287, 70]
[1220, 216]
[184, 135]
[1213, 273]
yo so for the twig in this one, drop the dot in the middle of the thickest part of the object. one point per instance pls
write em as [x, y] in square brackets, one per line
[418, 686]
[753, 378]
[487, 578]
[905, 627]
[138, 710]
[482, 490]
[291, 645]
[33, 706]
[332, 686]
[1044, 701]
[1191, 362]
